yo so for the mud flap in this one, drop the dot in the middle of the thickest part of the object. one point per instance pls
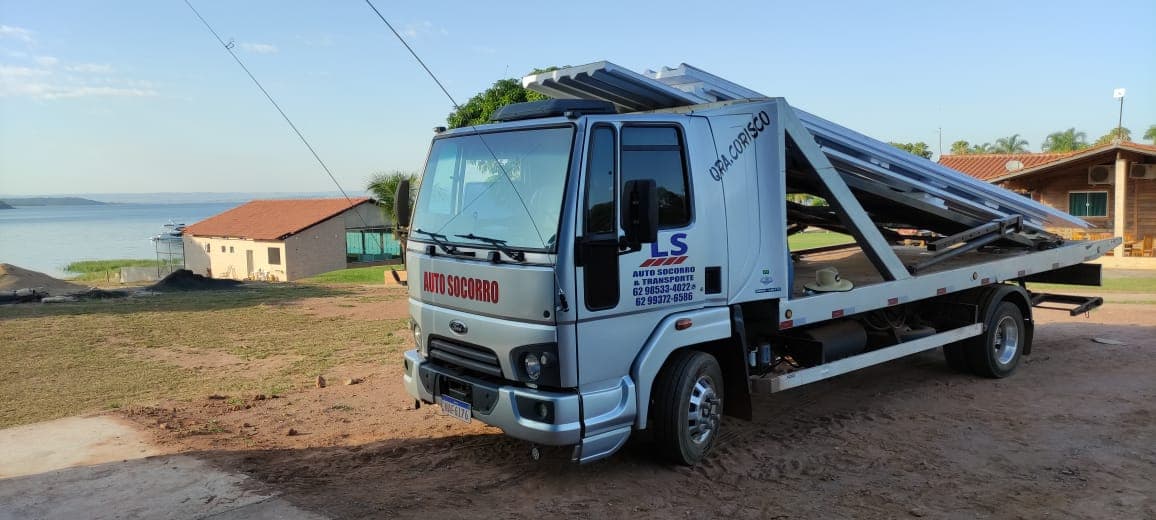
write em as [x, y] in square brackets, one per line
[732, 358]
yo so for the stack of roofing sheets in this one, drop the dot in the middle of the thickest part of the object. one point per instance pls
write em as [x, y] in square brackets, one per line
[866, 163]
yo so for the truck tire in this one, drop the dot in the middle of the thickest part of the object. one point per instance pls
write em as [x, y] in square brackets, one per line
[688, 405]
[996, 353]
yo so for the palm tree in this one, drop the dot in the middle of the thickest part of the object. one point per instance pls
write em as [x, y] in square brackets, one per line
[1151, 134]
[982, 148]
[1123, 134]
[960, 147]
[1012, 144]
[1066, 141]
[921, 149]
[383, 186]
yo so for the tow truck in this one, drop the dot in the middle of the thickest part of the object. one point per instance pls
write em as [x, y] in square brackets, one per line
[615, 259]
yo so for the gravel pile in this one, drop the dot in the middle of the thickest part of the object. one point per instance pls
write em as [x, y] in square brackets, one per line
[186, 280]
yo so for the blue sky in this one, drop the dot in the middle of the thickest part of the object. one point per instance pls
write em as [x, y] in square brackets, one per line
[136, 96]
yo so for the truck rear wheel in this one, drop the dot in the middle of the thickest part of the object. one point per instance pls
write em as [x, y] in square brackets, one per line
[688, 405]
[996, 353]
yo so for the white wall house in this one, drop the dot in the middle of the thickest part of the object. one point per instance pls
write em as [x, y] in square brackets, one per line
[277, 240]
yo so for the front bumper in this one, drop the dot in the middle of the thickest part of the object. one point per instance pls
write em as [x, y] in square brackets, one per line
[500, 405]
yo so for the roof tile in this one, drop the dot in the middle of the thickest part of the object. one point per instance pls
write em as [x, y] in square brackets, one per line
[986, 167]
[271, 219]
[989, 166]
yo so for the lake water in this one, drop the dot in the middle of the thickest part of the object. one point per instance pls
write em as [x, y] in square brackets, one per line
[47, 238]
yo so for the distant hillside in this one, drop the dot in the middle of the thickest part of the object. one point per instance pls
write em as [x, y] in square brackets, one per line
[202, 197]
[51, 201]
[4, 206]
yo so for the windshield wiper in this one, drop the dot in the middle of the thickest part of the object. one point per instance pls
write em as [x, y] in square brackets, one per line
[441, 240]
[499, 244]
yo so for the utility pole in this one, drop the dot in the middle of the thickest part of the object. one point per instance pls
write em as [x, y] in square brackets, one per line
[941, 141]
[1119, 94]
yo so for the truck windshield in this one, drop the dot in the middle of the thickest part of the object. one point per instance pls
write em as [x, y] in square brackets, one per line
[513, 194]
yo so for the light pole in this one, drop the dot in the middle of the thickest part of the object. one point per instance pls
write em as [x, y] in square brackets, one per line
[1119, 94]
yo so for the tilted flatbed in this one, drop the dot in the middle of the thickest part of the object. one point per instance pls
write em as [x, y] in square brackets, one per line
[970, 270]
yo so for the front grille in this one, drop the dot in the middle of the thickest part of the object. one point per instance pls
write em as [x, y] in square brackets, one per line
[469, 357]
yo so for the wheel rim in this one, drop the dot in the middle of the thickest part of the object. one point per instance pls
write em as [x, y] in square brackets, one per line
[704, 411]
[1006, 341]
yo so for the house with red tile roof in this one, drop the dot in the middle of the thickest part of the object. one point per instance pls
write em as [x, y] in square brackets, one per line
[1112, 186]
[279, 240]
[986, 167]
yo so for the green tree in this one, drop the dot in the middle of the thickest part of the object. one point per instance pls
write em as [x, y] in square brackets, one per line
[921, 149]
[1065, 141]
[982, 148]
[478, 109]
[1124, 133]
[383, 186]
[960, 147]
[1150, 134]
[1011, 144]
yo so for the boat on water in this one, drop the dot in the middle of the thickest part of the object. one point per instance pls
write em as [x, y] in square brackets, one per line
[170, 248]
[171, 231]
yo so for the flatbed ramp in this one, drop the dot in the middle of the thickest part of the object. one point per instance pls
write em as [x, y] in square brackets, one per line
[975, 233]
[880, 174]
[973, 270]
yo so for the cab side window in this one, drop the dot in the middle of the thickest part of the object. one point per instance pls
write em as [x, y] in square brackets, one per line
[600, 183]
[600, 245]
[656, 152]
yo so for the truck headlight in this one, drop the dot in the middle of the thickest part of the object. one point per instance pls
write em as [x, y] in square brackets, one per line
[537, 364]
[421, 348]
[532, 361]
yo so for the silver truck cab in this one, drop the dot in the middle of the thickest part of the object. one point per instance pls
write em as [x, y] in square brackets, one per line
[526, 242]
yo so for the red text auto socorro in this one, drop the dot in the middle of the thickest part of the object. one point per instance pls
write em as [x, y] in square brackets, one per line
[462, 287]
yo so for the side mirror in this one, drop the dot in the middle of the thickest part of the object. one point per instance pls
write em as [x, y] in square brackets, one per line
[640, 213]
[401, 207]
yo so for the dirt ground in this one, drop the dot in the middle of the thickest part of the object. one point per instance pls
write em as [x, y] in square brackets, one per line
[1071, 435]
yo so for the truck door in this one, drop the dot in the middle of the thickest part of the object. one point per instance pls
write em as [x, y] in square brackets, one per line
[624, 294]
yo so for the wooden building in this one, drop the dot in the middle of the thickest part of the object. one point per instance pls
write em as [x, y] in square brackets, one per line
[1112, 187]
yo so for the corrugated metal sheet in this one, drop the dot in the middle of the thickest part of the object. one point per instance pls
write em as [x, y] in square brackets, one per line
[628, 90]
[850, 152]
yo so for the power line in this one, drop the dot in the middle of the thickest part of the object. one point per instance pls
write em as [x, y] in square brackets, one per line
[415, 56]
[561, 294]
[229, 48]
[481, 138]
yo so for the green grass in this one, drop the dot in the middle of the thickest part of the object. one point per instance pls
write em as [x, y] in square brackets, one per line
[65, 359]
[362, 275]
[104, 270]
[801, 241]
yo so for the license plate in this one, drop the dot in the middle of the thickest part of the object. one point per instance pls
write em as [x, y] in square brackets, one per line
[456, 409]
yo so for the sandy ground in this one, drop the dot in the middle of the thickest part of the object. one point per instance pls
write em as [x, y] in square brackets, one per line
[1071, 435]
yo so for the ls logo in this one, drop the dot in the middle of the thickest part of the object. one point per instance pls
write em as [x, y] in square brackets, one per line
[673, 254]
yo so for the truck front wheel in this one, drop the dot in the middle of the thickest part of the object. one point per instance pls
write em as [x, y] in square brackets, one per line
[688, 405]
